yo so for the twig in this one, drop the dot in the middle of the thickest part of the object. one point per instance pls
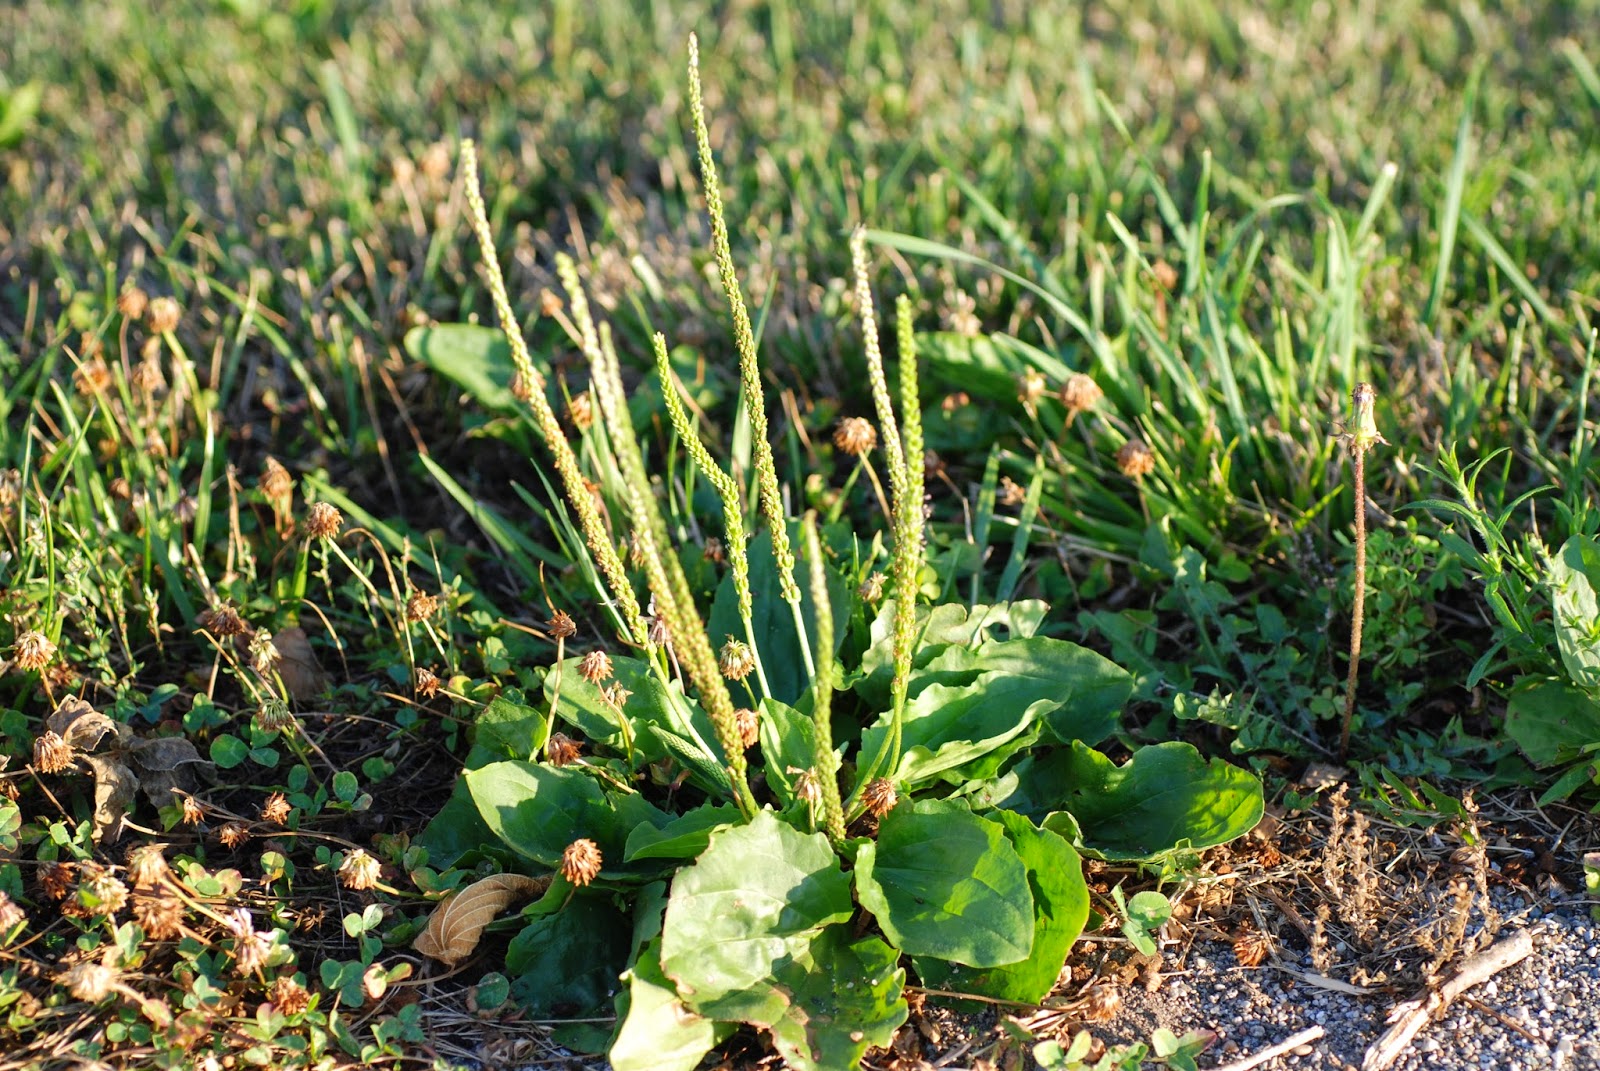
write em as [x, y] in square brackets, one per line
[1294, 1041]
[1410, 1016]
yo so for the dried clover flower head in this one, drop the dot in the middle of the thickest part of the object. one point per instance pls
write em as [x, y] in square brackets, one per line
[1031, 386]
[276, 484]
[748, 724]
[288, 996]
[657, 633]
[276, 809]
[595, 667]
[1011, 493]
[580, 410]
[359, 870]
[10, 915]
[715, 550]
[427, 685]
[615, 694]
[251, 947]
[233, 834]
[1251, 946]
[421, 606]
[879, 797]
[264, 654]
[1135, 460]
[101, 893]
[51, 754]
[1079, 393]
[192, 812]
[1101, 1004]
[580, 862]
[159, 916]
[737, 661]
[323, 521]
[91, 982]
[562, 750]
[56, 880]
[163, 315]
[33, 650]
[222, 622]
[91, 377]
[808, 788]
[561, 626]
[274, 715]
[855, 436]
[131, 303]
[871, 589]
[147, 866]
[147, 376]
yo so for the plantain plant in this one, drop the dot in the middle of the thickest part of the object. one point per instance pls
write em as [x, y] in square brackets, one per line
[784, 790]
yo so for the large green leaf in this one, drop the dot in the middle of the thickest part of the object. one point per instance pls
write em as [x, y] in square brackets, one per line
[1060, 906]
[455, 830]
[788, 743]
[567, 962]
[684, 837]
[1166, 797]
[658, 1031]
[939, 627]
[772, 622]
[1574, 580]
[538, 810]
[947, 885]
[509, 730]
[1550, 720]
[753, 933]
[477, 359]
[581, 704]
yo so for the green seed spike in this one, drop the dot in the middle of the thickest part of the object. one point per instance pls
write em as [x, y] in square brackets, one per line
[825, 762]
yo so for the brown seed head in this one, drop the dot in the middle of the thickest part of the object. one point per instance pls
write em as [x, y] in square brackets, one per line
[616, 694]
[427, 685]
[657, 633]
[580, 862]
[131, 303]
[160, 916]
[323, 521]
[879, 797]
[276, 485]
[1080, 393]
[91, 982]
[714, 550]
[855, 436]
[147, 866]
[51, 754]
[120, 488]
[192, 811]
[91, 377]
[274, 715]
[808, 788]
[1251, 947]
[560, 626]
[562, 750]
[251, 947]
[233, 834]
[10, 916]
[595, 667]
[102, 893]
[223, 621]
[264, 654]
[435, 162]
[1135, 460]
[56, 880]
[1101, 1004]
[749, 725]
[580, 410]
[871, 589]
[147, 376]
[276, 809]
[359, 870]
[288, 996]
[520, 388]
[1011, 493]
[163, 315]
[737, 661]
[33, 650]
[421, 606]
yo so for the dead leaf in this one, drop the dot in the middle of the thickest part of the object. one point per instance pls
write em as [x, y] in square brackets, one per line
[458, 922]
[167, 763]
[79, 724]
[297, 664]
[114, 784]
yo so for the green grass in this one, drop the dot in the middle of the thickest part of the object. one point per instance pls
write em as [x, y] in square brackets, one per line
[1227, 217]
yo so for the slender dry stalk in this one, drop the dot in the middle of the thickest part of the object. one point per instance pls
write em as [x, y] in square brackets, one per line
[1363, 436]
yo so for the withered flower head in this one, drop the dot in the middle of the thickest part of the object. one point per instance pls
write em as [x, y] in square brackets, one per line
[359, 870]
[808, 788]
[233, 834]
[251, 947]
[288, 996]
[1100, 1004]
[33, 650]
[51, 754]
[264, 654]
[10, 915]
[420, 606]
[323, 521]
[561, 626]
[1031, 386]
[276, 809]
[192, 812]
[855, 436]
[91, 377]
[749, 725]
[715, 550]
[580, 410]
[56, 880]
[1135, 460]
[120, 488]
[737, 661]
[274, 715]
[223, 621]
[594, 667]
[147, 866]
[871, 589]
[562, 750]
[147, 376]
[160, 916]
[100, 892]
[91, 982]
[580, 862]
[276, 485]
[131, 303]
[879, 797]
[1080, 393]
[1251, 946]
[427, 685]
[616, 694]
[657, 634]
[163, 315]
[1011, 493]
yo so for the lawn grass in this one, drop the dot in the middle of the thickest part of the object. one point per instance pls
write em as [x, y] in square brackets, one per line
[1227, 217]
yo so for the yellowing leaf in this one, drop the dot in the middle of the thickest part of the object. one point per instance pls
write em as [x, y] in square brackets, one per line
[458, 922]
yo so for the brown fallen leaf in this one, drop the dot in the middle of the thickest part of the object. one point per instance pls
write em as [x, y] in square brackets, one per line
[114, 785]
[298, 665]
[79, 724]
[458, 922]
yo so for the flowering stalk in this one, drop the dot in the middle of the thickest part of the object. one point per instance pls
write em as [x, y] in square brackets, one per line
[594, 531]
[1363, 436]
[749, 373]
[825, 762]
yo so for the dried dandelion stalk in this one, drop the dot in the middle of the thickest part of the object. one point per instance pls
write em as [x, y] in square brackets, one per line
[1363, 436]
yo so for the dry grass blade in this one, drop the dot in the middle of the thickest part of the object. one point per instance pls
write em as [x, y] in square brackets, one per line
[457, 923]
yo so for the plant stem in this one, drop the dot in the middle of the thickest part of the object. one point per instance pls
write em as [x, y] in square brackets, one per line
[1363, 435]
